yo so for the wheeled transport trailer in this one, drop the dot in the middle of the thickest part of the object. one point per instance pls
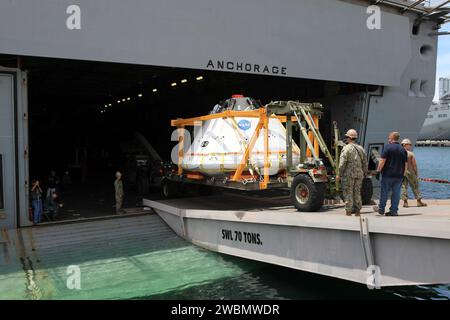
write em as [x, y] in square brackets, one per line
[308, 179]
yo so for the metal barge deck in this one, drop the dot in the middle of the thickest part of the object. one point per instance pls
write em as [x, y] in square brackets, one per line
[410, 249]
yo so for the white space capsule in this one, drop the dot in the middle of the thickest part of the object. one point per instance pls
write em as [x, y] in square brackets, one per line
[220, 144]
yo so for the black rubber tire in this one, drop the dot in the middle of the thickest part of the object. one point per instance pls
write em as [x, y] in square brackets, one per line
[366, 191]
[169, 189]
[315, 193]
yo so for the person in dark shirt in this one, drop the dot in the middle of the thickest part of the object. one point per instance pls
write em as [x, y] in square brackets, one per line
[392, 167]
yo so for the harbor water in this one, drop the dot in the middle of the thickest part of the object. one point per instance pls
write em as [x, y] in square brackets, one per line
[434, 163]
[151, 262]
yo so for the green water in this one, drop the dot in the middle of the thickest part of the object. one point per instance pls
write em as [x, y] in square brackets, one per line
[124, 269]
[186, 272]
[182, 271]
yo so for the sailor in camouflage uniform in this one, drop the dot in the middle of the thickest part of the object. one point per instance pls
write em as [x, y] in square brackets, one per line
[352, 170]
[118, 188]
[411, 177]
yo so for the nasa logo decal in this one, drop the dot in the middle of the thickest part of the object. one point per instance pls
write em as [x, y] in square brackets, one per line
[244, 124]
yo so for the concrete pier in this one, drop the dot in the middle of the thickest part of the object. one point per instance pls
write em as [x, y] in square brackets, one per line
[411, 249]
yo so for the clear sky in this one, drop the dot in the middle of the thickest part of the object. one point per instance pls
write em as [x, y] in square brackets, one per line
[443, 61]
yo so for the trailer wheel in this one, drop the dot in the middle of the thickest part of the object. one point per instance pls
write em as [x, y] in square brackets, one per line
[169, 189]
[307, 195]
[366, 191]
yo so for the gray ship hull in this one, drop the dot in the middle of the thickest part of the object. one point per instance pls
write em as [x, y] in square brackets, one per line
[435, 131]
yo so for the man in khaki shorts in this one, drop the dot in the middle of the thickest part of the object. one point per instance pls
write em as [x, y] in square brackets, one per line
[411, 177]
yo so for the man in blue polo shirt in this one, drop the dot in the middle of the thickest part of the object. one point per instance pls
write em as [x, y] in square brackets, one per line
[392, 167]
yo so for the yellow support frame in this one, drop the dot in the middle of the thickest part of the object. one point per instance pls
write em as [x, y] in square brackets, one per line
[225, 114]
[240, 169]
[263, 185]
[316, 142]
[180, 149]
[263, 123]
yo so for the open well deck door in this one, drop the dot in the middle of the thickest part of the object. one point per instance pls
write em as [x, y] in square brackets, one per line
[13, 149]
